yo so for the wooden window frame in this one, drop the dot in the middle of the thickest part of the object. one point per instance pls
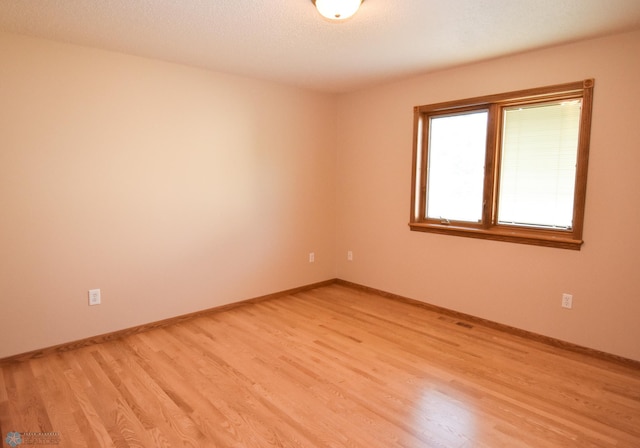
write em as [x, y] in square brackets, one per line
[489, 228]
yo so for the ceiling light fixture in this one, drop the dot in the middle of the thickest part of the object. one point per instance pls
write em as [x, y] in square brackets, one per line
[337, 10]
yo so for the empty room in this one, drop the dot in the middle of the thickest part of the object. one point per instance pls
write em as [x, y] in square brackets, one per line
[320, 223]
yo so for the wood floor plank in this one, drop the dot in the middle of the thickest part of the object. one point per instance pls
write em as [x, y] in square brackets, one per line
[57, 398]
[330, 367]
[88, 421]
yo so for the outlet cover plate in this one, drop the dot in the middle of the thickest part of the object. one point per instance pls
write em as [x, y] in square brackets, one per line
[94, 297]
[567, 301]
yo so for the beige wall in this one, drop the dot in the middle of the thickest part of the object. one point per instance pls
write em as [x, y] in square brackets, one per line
[513, 284]
[175, 189]
[172, 189]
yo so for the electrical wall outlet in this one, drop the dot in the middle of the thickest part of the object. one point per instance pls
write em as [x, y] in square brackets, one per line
[94, 297]
[312, 257]
[567, 301]
[350, 255]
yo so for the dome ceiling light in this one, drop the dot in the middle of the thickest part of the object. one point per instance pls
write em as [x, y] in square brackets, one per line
[337, 10]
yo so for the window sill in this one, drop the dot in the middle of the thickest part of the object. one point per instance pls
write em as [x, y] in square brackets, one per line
[532, 237]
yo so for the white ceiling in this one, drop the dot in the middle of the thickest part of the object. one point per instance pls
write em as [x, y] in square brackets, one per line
[288, 41]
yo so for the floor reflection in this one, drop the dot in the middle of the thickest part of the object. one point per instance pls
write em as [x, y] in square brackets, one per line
[445, 421]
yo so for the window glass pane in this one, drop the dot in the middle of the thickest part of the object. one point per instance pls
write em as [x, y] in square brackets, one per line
[538, 166]
[455, 181]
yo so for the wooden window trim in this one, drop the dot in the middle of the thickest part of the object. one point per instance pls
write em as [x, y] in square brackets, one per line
[489, 228]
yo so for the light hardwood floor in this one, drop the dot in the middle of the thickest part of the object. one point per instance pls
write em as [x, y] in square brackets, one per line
[335, 367]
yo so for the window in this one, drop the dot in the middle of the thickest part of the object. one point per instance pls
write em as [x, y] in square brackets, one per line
[509, 167]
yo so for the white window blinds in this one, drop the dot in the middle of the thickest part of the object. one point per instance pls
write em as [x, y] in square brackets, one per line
[538, 164]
